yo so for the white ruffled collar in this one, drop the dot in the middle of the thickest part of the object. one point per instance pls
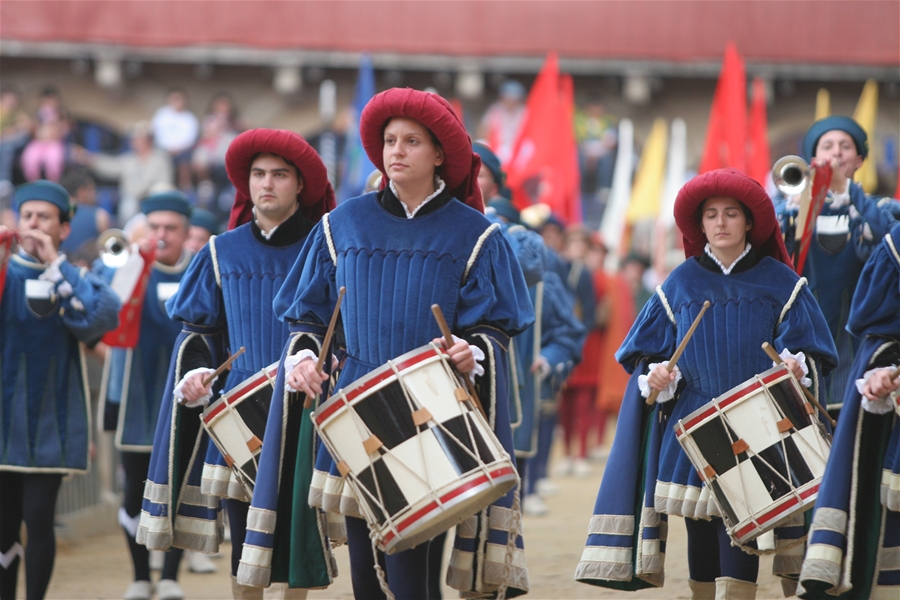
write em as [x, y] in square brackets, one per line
[438, 184]
[726, 270]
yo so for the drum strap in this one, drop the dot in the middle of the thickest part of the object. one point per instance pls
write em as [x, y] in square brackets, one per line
[215, 260]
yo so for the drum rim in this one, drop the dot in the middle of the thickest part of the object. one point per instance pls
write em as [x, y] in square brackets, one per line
[243, 389]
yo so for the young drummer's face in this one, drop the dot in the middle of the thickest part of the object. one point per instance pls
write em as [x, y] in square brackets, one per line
[274, 186]
[724, 223]
[837, 146]
[409, 154]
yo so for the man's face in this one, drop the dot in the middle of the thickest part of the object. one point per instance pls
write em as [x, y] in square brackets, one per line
[197, 238]
[43, 216]
[838, 146]
[171, 228]
[274, 186]
[486, 183]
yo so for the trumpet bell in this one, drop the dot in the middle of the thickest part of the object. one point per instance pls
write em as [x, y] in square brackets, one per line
[791, 175]
[113, 247]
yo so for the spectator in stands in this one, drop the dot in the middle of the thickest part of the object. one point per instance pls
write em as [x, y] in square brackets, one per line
[89, 219]
[47, 149]
[137, 170]
[15, 130]
[175, 130]
[502, 120]
[220, 126]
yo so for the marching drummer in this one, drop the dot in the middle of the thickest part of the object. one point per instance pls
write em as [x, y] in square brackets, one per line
[224, 303]
[737, 261]
[850, 226]
[420, 240]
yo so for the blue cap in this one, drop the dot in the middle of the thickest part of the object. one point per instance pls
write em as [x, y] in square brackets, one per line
[201, 217]
[512, 89]
[835, 122]
[174, 201]
[490, 160]
[505, 209]
[48, 191]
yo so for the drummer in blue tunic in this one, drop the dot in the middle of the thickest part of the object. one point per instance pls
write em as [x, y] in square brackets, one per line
[736, 259]
[854, 541]
[849, 228]
[421, 240]
[49, 310]
[225, 302]
[134, 381]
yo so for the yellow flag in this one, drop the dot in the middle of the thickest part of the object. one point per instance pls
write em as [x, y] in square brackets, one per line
[823, 104]
[865, 114]
[647, 192]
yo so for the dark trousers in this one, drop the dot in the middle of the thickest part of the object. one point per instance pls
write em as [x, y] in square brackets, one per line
[711, 555]
[237, 525]
[136, 465]
[29, 497]
[413, 574]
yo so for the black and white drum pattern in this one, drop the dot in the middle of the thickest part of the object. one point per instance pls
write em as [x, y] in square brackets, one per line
[236, 423]
[418, 456]
[761, 451]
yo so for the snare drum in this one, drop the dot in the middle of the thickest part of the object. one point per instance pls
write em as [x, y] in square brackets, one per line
[416, 453]
[760, 450]
[236, 423]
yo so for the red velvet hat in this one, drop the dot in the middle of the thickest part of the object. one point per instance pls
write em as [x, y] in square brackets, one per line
[765, 235]
[317, 196]
[461, 164]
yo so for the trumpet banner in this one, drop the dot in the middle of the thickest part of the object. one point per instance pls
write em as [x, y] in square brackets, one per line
[131, 292]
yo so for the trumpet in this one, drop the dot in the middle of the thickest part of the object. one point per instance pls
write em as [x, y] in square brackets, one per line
[791, 175]
[114, 248]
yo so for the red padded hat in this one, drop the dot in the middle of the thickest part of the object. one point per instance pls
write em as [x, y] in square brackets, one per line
[317, 196]
[765, 235]
[461, 164]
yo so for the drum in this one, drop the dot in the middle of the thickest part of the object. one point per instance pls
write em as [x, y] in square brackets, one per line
[236, 423]
[417, 454]
[760, 450]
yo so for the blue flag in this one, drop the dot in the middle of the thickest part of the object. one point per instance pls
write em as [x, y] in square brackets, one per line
[356, 166]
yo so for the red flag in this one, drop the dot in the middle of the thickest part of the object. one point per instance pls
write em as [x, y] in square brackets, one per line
[130, 282]
[541, 168]
[726, 135]
[6, 240]
[759, 161]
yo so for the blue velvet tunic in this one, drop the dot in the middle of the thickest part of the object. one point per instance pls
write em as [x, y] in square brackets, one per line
[855, 534]
[137, 376]
[44, 401]
[648, 475]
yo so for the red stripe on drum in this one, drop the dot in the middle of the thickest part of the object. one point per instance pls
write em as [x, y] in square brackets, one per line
[728, 400]
[776, 512]
[414, 518]
[239, 391]
[371, 381]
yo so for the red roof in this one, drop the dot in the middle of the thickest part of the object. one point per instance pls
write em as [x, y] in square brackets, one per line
[855, 32]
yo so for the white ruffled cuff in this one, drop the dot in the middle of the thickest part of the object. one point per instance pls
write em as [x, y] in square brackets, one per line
[882, 406]
[53, 273]
[292, 361]
[202, 400]
[665, 395]
[800, 357]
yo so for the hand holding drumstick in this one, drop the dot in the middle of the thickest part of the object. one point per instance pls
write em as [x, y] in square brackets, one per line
[656, 379]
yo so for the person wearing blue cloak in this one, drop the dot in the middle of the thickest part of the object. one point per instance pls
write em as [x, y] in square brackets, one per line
[225, 302]
[421, 240]
[736, 259]
[49, 310]
[854, 541]
[849, 228]
[134, 379]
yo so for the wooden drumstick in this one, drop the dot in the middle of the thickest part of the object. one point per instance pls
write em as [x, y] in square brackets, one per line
[448, 339]
[670, 366]
[776, 358]
[212, 377]
[326, 343]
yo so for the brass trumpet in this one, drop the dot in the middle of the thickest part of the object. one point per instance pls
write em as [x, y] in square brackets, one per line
[114, 248]
[791, 175]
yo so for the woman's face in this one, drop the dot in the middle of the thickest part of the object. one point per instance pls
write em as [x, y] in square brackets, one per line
[724, 223]
[410, 157]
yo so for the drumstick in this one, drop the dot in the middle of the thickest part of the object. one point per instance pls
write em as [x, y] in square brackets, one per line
[448, 339]
[670, 366]
[327, 341]
[767, 347]
[211, 377]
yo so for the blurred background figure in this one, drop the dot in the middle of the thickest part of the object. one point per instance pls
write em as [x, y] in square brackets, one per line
[45, 154]
[595, 132]
[175, 130]
[501, 122]
[204, 225]
[89, 220]
[220, 126]
[15, 130]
